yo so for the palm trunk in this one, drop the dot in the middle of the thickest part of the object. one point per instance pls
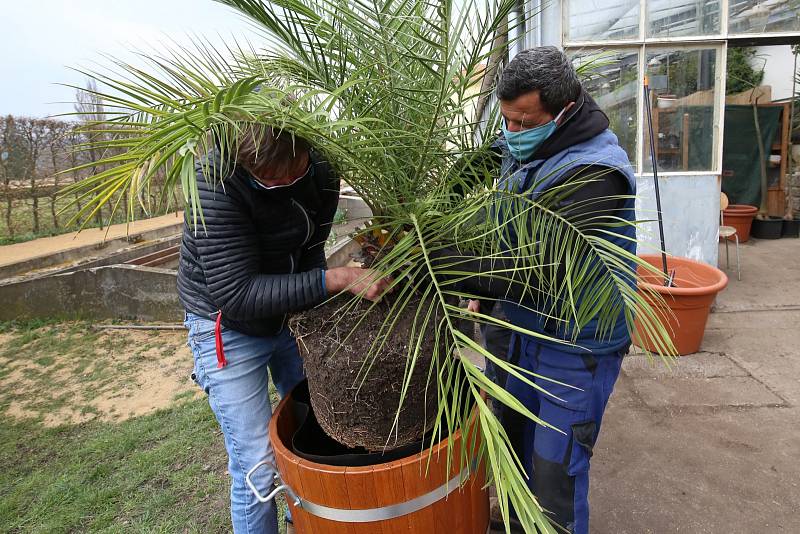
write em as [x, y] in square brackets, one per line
[55, 187]
[763, 210]
[789, 209]
[500, 49]
[35, 205]
[9, 222]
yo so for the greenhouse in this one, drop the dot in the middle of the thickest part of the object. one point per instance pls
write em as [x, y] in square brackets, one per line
[683, 47]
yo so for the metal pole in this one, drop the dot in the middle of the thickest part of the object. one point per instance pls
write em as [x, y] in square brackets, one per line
[667, 280]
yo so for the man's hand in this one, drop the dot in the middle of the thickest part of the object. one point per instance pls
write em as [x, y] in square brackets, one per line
[474, 306]
[358, 281]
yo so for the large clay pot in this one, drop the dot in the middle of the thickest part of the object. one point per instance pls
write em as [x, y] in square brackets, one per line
[740, 216]
[687, 304]
[406, 495]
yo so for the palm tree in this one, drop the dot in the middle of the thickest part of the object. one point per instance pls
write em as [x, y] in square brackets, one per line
[385, 90]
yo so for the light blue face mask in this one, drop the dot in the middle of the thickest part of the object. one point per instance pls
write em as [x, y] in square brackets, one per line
[523, 144]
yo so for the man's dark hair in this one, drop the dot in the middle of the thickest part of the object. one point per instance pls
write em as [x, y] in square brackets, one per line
[546, 69]
[261, 145]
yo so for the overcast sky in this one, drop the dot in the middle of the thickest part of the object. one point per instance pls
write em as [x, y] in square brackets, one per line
[41, 39]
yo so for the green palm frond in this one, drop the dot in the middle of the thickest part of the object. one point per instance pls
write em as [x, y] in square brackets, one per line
[387, 91]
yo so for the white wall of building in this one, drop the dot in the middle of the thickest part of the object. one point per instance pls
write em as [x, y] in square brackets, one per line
[690, 210]
[777, 70]
[690, 204]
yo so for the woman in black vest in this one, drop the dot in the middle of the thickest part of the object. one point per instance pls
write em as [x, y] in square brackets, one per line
[257, 255]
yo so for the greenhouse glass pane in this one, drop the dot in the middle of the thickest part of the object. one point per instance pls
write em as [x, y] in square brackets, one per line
[612, 80]
[684, 89]
[680, 18]
[752, 16]
[595, 20]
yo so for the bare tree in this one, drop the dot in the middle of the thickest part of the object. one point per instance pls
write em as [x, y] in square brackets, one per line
[73, 140]
[58, 145]
[34, 153]
[89, 106]
[34, 136]
[11, 165]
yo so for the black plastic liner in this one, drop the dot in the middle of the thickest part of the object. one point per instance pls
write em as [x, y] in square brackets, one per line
[767, 228]
[311, 443]
[791, 228]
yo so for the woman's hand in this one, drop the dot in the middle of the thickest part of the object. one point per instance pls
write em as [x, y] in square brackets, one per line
[364, 282]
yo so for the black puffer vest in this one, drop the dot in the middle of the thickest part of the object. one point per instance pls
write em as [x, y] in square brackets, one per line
[259, 254]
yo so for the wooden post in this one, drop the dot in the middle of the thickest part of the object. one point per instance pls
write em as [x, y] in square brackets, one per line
[655, 128]
[685, 142]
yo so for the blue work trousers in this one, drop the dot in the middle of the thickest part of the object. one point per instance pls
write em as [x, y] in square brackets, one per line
[556, 463]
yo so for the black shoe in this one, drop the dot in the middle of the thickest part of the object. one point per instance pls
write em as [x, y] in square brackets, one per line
[496, 526]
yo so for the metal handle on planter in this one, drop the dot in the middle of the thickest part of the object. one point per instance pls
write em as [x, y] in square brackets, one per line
[278, 485]
[369, 515]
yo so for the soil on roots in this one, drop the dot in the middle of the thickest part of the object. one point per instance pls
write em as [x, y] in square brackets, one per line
[354, 403]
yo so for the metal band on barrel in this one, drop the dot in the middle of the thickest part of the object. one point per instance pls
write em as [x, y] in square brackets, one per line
[384, 512]
[356, 516]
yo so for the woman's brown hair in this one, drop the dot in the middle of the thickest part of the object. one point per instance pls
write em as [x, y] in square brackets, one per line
[262, 146]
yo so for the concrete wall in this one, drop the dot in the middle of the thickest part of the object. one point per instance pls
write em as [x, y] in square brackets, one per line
[113, 292]
[93, 251]
[101, 260]
[690, 206]
[129, 291]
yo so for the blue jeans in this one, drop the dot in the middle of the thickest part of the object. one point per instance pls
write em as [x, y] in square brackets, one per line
[239, 397]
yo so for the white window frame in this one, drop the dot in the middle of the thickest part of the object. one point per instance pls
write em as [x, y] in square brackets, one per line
[720, 68]
[718, 42]
[723, 35]
[629, 48]
[719, 108]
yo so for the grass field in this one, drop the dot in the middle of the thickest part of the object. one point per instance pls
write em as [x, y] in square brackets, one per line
[22, 221]
[104, 432]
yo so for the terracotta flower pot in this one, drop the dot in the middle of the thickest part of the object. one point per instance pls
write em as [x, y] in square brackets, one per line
[405, 495]
[740, 216]
[687, 305]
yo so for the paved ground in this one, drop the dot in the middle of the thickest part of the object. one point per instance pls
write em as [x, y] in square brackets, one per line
[712, 446]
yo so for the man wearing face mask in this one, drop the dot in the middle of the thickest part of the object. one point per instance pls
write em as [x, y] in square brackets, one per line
[553, 135]
[257, 256]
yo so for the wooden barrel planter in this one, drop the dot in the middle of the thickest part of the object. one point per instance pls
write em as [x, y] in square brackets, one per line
[416, 494]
